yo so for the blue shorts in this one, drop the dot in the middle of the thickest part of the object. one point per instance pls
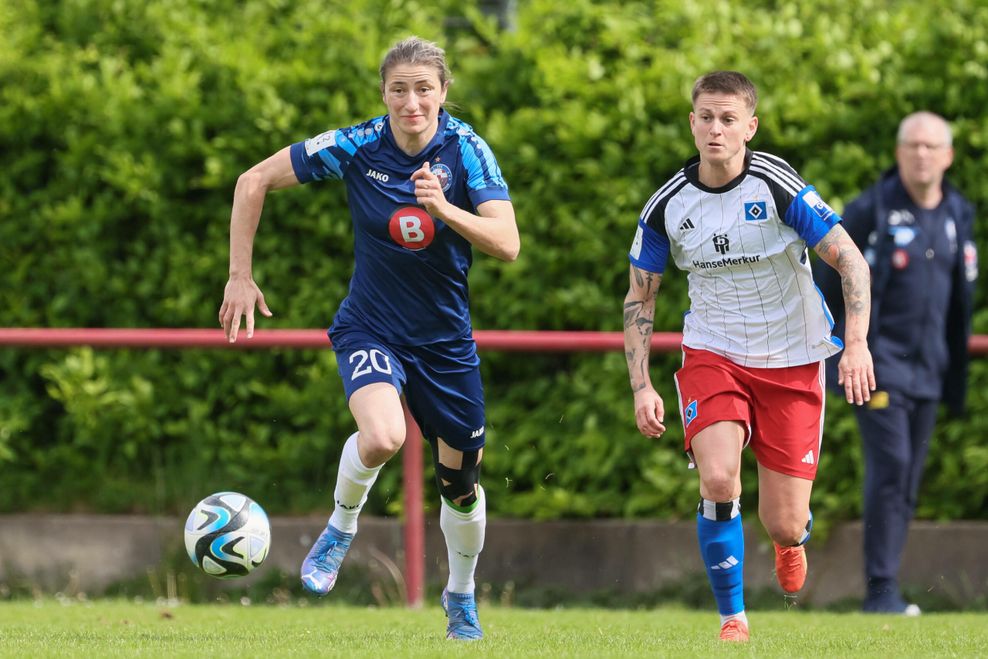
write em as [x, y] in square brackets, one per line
[441, 382]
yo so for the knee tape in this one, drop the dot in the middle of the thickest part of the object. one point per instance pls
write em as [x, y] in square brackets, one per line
[456, 483]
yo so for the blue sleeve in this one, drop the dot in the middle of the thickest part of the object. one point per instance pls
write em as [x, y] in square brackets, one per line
[484, 179]
[327, 155]
[649, 250]
[810, 216]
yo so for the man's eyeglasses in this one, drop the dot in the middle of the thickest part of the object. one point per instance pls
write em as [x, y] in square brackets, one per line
[916, 146]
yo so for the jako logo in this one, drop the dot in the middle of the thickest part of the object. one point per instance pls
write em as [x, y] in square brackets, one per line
[383, 178]
[476, 433]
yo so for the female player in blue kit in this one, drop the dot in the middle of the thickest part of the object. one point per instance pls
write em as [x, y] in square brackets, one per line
[423, 189]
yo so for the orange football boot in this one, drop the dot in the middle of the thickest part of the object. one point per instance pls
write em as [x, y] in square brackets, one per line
[735, 631]
[790, 567]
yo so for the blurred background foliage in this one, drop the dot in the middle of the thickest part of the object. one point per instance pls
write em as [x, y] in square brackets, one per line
[124, 125]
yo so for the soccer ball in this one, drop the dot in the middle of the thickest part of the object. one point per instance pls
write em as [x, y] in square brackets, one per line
[227, 535]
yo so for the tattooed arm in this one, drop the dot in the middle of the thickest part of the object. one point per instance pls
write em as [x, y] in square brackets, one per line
[856, 372]
[639, 315]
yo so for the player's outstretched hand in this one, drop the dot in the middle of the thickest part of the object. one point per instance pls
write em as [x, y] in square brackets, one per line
[650, 412]
[856, 373]
[240, 297]
[429, 191]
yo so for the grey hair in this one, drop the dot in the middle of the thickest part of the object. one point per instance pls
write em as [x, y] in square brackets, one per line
[414, 50]
[924, 116]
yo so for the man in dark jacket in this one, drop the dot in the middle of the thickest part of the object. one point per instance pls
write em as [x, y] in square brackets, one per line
[915, 230]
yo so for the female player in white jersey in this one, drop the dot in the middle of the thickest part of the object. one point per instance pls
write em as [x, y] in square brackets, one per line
[423, 189]
[739, 222]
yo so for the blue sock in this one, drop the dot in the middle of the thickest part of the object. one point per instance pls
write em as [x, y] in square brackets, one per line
[721, 537]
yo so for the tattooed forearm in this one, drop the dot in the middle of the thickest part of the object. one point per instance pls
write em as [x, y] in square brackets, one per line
[639, 317]
[632, 311]
[855, 283]
[647, 283]
[839, 252]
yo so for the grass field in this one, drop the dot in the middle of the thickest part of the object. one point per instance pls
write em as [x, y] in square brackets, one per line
[124, 629]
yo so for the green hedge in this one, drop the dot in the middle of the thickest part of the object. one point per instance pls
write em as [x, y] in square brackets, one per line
[123, 128]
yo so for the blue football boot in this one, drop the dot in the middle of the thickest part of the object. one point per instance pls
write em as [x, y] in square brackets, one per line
[322, 565]
[461, 609]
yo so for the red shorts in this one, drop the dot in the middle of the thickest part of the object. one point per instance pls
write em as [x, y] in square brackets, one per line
[782, 408]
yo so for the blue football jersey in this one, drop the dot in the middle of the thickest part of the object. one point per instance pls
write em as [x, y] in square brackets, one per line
[409, 283]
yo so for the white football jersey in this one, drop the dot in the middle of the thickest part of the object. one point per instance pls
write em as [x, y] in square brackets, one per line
[744, 247]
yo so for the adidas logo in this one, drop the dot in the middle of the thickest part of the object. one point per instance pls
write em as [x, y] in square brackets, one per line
[725, 564]
[687, 225]
[808, 458]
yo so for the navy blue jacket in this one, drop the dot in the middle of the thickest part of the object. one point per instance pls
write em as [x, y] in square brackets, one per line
[867, 221]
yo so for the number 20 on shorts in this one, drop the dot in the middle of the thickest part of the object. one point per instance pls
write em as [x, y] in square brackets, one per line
[368, 361]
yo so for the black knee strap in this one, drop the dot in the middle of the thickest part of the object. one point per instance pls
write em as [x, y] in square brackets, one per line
[461, 482]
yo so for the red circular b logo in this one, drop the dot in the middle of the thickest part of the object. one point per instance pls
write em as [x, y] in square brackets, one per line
[412, 228]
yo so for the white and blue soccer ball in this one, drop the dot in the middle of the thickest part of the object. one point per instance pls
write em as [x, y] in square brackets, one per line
[227, 535]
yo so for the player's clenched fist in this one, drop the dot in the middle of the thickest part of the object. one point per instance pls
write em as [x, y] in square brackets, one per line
[429, 191]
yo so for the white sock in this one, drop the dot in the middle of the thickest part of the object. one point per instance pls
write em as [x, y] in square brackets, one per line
[464, 541]
[353, 482]
[740, 615]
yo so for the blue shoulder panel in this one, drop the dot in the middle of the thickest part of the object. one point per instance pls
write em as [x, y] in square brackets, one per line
[650, 249]
[327, 155]
[810, 216]
[484, 179]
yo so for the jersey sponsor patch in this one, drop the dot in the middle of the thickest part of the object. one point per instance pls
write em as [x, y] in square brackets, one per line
[950, 228]
[970, 261]
[900, 259]
[818, 205]
[319, 142]
[903, 235]
[898, 217]
[755, 211]
[412, 228]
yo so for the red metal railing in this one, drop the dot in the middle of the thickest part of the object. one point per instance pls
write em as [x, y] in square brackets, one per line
[503, 340]
[293, 338]
[412, 463]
